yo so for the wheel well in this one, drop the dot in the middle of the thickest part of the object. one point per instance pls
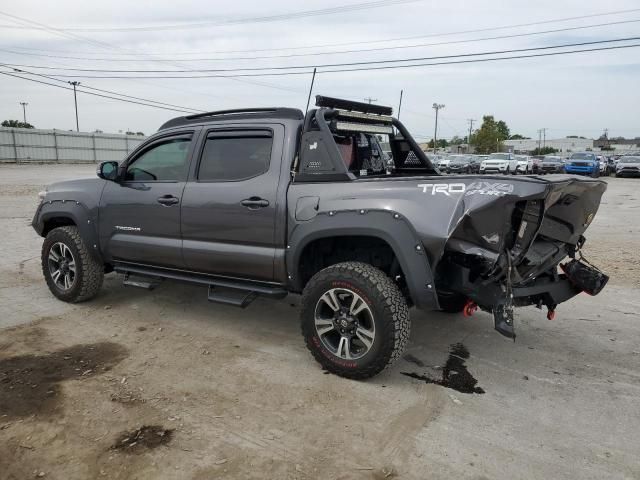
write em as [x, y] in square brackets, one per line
[56, 222]
[324, 252]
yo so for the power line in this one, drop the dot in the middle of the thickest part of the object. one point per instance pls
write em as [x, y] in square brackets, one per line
[338, 52]
[238, 21]
[94, 94]
[333, 65]
[106, 91]
[383, 67]
[360, 42]
[110, 46]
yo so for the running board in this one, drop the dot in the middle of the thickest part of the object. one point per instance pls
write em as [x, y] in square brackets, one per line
[140, 281]
[222, 290]
[230, 296]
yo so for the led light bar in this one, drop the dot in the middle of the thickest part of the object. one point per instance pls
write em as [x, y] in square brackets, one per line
[363, 127]
[330, 102]
[364, 116]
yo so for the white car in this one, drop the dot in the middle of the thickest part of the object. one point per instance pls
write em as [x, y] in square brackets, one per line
[525, 164]
[500, 163]
[443, 163]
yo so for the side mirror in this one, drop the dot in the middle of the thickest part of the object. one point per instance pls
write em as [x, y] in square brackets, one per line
[108, 171]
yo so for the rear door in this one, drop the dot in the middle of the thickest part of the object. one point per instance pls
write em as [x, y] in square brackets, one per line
[140, 213]
[229, 205]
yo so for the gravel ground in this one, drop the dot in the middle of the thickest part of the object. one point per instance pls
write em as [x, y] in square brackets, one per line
[163, 384]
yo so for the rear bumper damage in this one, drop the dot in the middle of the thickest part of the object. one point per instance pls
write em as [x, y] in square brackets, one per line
[509, 254]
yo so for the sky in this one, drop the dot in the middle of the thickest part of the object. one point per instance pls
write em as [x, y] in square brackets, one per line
[577, 94]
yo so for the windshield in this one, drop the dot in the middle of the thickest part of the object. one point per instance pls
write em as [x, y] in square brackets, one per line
[629, 160]
[499, 156]
[582, 156]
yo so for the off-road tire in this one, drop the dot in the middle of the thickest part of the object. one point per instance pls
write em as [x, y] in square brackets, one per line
[452, 302]
[386, 302]
[89, 271]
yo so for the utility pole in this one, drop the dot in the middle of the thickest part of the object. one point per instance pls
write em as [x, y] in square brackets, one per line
[436, 107]
[470, 120]
[400, 103]
[75, 99]
[539, 139]
[369, 99]
[24, 111]
[544, 137]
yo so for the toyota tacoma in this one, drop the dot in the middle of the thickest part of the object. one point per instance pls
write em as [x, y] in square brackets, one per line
[272, 201]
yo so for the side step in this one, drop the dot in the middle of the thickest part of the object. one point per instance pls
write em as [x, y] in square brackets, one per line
[140, 281]
[231, 296]
[230, 291]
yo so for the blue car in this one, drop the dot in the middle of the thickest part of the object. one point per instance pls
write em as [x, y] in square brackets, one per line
[583, 164]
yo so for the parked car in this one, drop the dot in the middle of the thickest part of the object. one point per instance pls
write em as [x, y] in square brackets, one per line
[463, 164]
[603, 165]
[525, 164]
[443, 163]
[583, 163]
[628, 167]
[499, 163]
[536, 163]
[267, 202]
[552, 164]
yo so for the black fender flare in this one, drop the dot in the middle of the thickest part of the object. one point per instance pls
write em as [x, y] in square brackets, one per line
[386, 225]
[84, 219]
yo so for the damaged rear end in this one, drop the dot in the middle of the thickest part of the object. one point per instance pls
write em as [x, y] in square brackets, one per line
[518, 243]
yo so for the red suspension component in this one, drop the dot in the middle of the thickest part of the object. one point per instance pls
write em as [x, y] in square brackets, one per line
[469, 308]
[551, 314]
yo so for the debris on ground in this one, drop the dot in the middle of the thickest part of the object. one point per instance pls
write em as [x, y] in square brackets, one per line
[145, 437]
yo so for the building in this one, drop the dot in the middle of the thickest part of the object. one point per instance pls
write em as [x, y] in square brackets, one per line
[563, 145]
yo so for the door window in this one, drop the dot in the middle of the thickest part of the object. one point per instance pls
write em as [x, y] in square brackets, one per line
[166, 161]
[233, 158]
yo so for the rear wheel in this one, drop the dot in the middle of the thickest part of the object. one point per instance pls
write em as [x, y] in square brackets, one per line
[595, 173]
[70, 271]
[355, 320]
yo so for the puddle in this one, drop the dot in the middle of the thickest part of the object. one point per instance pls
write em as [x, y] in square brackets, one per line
[143, 438]
[29, 384]
[455, 374]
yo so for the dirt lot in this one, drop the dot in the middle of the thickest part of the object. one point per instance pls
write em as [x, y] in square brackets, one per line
[163, 384]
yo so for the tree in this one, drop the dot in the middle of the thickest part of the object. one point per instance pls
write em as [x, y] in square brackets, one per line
[442, 143]
[503, 130]
[456, 140]
[140, 134]
[489, 137]
[543, 151]
[16, 124]
[517, 136]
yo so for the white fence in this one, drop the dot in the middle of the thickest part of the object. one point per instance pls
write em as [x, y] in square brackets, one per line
[26, 145]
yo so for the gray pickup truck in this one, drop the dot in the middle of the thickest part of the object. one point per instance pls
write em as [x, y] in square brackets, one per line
[272, 201]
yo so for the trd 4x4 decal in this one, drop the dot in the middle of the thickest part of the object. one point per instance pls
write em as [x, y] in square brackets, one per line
[476, 188]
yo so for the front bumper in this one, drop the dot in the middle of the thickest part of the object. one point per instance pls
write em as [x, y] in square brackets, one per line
[633, 171]
[580, 170]
[493, 168]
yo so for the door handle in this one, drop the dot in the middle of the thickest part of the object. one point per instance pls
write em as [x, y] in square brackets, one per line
[254, 203]
[168, 200]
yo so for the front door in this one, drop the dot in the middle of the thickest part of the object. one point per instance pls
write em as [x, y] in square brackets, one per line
[229, 205]
[140, 213]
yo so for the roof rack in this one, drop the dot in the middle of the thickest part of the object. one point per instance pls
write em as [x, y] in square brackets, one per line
[338, 103]
[238, 113]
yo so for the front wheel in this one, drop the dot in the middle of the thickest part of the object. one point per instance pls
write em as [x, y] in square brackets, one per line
[71, 272]
[355, 320]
